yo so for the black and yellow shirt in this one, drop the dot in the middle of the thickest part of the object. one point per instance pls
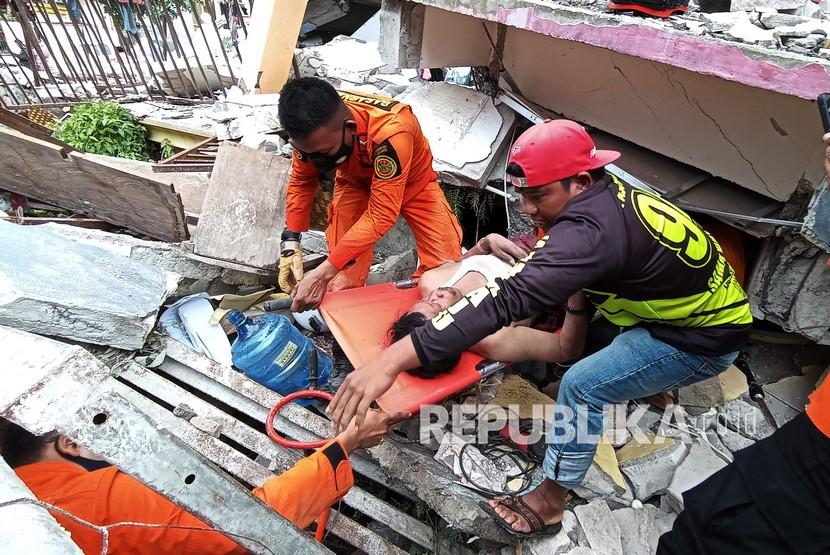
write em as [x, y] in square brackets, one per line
[642, 262]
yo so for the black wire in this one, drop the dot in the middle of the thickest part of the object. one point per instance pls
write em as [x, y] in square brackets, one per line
[517, 457]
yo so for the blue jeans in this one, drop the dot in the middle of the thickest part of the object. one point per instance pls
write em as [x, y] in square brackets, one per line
[634, 365]
[127, 18]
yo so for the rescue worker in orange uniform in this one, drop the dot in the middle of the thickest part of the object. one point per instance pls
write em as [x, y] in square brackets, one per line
[384, 169]
[68, 476]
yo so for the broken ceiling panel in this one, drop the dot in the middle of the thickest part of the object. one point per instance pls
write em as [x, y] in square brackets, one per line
[466, 130]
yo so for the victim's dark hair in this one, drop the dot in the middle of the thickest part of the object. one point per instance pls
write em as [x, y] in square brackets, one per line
[20, 447]
[516, 170]
[307, 104]
[405, 325]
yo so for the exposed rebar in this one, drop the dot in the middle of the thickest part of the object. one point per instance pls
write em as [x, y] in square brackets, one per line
[126, 73]
[92, 30]
[175, 36]
[207, 46]
[84, 71]
[196, 54]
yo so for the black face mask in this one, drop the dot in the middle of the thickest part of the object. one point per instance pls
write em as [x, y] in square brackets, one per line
[91, 465]
[327, 162]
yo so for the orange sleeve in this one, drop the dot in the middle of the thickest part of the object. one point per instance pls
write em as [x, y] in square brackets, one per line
[392, 160]
[129, 500]
[309, 487]
[300, 192]
[819, 408]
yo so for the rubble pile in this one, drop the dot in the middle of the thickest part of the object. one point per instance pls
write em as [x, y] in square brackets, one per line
[634, 489]
[796, 26]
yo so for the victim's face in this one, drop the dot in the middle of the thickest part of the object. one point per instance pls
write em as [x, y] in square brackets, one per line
[440, 299]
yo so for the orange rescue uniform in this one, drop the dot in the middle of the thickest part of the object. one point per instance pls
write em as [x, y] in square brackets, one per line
[108, 496]
[388, 173]
[819, 408]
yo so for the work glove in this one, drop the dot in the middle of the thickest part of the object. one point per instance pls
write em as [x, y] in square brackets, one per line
[291, 265]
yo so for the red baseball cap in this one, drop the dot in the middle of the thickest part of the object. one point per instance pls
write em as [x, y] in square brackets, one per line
[555, 149]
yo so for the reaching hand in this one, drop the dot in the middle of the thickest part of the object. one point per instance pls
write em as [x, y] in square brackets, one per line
[310, 290]
[358, 392]
[503, 248]
[375, 426]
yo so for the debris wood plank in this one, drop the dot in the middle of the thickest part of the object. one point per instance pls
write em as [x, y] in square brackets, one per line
[251, 472]
[283, 458]
[244, 207]
[46, 172]
[29, 127]
[152, 207]
[199, 158]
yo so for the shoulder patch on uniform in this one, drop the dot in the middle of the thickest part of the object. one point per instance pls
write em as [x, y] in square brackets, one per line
[385, 161]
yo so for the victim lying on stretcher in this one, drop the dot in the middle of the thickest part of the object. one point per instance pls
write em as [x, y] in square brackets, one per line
[552, 338]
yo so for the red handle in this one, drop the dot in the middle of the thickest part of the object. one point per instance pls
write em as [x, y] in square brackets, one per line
[272, 414]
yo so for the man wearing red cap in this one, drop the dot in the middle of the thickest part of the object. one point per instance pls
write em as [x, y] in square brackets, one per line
[643, 263]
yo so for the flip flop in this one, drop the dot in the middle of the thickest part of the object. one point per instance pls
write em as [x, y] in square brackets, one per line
[534, 520]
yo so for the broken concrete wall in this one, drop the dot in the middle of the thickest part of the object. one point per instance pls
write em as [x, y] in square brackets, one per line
[53, 286]
[791, 288]
[712, 123]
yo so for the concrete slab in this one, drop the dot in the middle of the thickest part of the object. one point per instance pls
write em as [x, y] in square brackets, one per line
[650, 467]
[695, 111]
[195, 276]
[791, 288]
[733, 440]
[601, 530]
[558, 544]
[701, 463]
[53, 286]
[787, 398]
[717, 444]
[614, 424]
[639, 532]
[739, 5]
[745, 418]
[665, 517]
[714, 392]
[604, 478]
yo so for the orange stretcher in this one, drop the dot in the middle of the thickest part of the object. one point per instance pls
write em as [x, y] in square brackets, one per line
[360, 319]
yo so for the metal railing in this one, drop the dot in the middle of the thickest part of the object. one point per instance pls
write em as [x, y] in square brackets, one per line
[56, 53]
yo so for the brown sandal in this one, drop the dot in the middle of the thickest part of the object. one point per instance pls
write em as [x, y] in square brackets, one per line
[533, 519]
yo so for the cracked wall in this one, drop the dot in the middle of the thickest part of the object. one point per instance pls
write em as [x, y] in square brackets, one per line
[762, 140]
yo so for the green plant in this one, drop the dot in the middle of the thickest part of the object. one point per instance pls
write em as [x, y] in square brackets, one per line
[462, 199]
[166, 148]
[104, 128]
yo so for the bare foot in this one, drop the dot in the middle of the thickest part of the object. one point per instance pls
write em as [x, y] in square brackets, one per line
[548, 500]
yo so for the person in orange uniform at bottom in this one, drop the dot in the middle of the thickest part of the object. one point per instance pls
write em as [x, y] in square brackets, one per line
[384, 169]
[68, 476]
